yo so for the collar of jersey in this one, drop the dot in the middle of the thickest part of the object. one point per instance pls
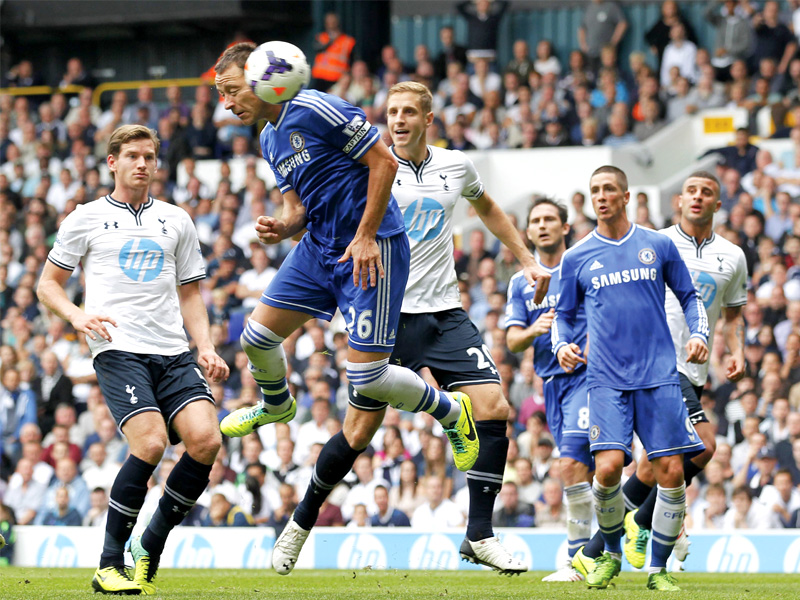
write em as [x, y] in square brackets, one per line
[128, 207]
[618, 242]
[284, 110]
[685, 235]
[546, 268]
[417, 169]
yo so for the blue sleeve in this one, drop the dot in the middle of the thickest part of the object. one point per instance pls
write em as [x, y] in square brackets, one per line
[29, 416]
[570, 298]
[677, 277]
[342, 125]
[516, 313]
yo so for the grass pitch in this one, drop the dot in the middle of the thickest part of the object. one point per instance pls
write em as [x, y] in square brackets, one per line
[196, 584]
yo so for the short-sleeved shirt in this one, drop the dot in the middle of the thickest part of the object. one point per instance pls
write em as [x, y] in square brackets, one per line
[133, 260]
[314, 148]
[719, 272]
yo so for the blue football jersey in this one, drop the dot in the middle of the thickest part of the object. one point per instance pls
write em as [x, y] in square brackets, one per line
[314, 148]
[622, 285]
[523, 312]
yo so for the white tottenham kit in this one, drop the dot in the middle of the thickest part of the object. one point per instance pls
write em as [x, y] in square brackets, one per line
[719, 273]
[427, 194]
[133, 261]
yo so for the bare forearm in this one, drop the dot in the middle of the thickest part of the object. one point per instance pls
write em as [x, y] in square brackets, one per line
[379, 191]
[195, 317]
[519, 339]
[53, 296]
[503, 229]
[733, 332]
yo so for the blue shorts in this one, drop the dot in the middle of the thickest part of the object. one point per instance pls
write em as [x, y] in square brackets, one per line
[311, 281]
[134, 383]
[447, 343]
[657, 415]
[566, 404]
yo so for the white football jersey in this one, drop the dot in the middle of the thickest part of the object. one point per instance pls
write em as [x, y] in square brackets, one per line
[719, 273]
[133, 261]
[427, 194]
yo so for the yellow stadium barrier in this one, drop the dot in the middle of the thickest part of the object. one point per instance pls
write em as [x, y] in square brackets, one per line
[103, 88]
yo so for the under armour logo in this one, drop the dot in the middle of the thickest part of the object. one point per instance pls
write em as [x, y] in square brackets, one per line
[109, 224]
[490, 490]
[163, 228]
[398, 182]
[177, 509]
[444, 182]
[130, 524]
[721, 260]
[129, 390]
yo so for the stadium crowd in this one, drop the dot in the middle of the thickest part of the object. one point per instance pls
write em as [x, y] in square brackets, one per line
[60, 449]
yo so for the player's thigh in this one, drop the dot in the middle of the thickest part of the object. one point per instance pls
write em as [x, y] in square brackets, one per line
[644, 470]
[179, 383]
[198, 428]
[359, 426]
[146, 435]
[372, 315]
[449, 344]
[662, 422]
[300, 290]
[610, 421]
[126, 380]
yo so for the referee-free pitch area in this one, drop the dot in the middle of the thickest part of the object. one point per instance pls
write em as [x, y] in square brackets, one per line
[190, 584]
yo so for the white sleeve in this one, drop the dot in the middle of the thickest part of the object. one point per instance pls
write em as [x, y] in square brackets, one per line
[190, 265]
[473, 186]
[736, 294]
[72, 241]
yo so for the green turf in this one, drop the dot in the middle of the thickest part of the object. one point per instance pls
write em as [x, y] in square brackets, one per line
[188, 584]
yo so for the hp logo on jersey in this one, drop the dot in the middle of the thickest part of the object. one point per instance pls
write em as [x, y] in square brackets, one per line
[705, 286]
[141, 260]
[424, 219]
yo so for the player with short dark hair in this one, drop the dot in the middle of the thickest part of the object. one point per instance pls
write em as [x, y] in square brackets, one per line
[143, 265]
[619, 273]
[565, 395]
[336, 177]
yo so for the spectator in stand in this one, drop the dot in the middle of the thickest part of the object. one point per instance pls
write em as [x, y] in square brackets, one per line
[17, 408]
[520, 64]
[651, 123]
[76, 74]
[603, 23]
[483, 21]
[483, 80]
[512, 512]
[283, 512]
[386, 515]
[200, 134]
[67, 476]
[733, 35]
[681, 53]
[363, 492]
[773, 39]
[98, 513]
[678, 104]
[618, 132]
[24, 494]
[223, 513]
[741, 156]
[659, 35]
[62, 513]
[550, 511]
[450, 52]
[546, 62]
[438, 512]
[745, 513]
[332, 49]
[704, 95]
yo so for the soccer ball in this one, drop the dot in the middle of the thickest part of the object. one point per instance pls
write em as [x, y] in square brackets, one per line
[277, 71]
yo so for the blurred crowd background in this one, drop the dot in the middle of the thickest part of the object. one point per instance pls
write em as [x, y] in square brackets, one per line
[59, 447]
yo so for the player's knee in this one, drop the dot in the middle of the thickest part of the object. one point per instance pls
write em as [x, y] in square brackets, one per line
[248, 348]
[573, 471]
[670, 471]
[608, 472]
[203, 444]
[150, 447]
[370, 379]
[488, 404]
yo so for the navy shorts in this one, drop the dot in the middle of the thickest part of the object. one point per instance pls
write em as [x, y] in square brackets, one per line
[566, 401]
[312, 281]
[447, 343]
[134, 383]
[657, 415]
[691, 398]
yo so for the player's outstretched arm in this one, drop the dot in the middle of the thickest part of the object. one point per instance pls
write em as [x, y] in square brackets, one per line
[195, 319]
[733, 332]
[293, 219]
[503, 229]
[363, 249]
[50, 291]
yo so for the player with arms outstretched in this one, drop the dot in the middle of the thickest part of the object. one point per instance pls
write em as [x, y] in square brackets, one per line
[143, 265]
[335, 176]
[565, 394]
[619, 273]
